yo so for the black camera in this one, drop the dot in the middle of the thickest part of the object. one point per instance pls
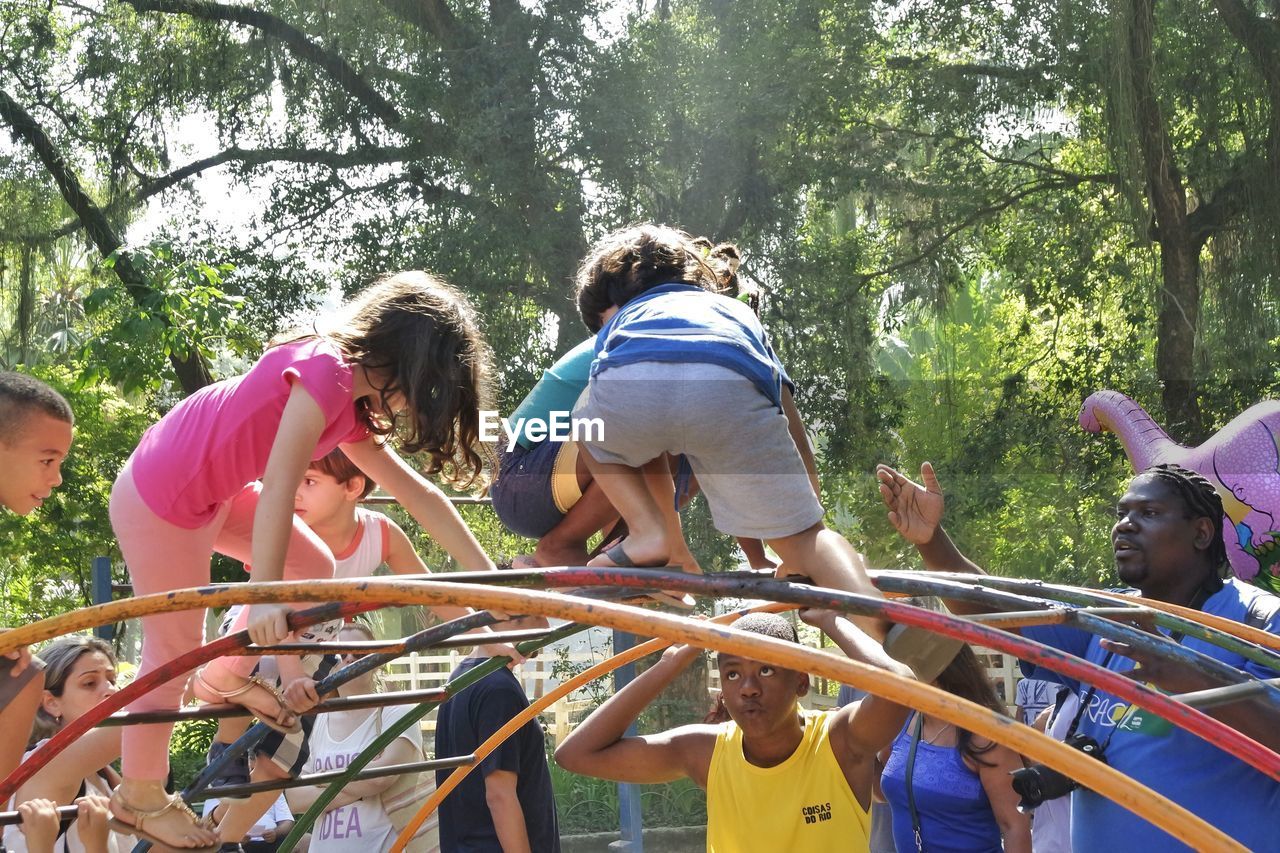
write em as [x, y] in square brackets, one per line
[1038, 783]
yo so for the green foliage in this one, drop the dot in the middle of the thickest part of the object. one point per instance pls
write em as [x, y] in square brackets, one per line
[585, 804]
[188, 750]
[185, 310]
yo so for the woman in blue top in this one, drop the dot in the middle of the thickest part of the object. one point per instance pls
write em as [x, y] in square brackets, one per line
[960, 789]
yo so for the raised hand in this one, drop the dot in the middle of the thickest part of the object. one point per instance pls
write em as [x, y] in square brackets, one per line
[915, 510]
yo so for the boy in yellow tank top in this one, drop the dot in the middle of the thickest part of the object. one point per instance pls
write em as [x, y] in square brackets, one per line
[778, 778]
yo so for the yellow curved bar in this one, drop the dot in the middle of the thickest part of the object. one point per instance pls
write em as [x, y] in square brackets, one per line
[1237, 629]
[513, 725]
[1089, 772]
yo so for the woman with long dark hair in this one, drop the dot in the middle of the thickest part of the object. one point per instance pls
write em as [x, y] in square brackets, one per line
[949, 788]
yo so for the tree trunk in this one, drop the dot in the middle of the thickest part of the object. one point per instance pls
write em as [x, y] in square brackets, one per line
[1179, 319]
[1179, 301]
[192, 372]
[25, 305]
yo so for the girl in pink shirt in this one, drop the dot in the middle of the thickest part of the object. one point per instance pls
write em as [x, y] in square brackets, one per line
[406, 358]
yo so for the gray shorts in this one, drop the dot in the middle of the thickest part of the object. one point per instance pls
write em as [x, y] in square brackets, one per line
[736, 440]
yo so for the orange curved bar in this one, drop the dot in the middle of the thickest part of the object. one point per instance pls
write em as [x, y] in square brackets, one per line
[1101, 778]
[1245, 632]
[513, 725]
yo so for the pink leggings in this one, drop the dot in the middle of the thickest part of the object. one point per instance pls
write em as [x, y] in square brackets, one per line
[162, 557]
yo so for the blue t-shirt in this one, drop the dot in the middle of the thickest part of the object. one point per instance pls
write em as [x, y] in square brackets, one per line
[684, 323]
[468, 720]
[557, 391]
[955, 814]
[1197, 775]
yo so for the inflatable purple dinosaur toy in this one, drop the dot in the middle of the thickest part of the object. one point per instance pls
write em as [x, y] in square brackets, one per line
[1242, 460]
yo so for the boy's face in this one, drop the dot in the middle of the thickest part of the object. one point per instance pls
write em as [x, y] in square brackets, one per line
[760, 697]
[31, 462]
[321, 498]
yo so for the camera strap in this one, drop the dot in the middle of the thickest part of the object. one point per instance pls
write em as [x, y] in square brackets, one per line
[916, 729]
[1203, 594]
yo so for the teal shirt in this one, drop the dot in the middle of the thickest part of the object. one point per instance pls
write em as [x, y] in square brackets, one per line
[557, 391]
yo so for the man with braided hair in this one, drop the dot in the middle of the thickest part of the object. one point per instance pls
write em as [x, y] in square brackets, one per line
[777, 777]
[1168, 544]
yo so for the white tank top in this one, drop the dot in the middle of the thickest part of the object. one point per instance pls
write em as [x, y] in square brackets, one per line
[368, 549]
[363, 826]
[16, 842]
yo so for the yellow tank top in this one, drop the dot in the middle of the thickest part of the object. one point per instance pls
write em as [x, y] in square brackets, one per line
[803, 804]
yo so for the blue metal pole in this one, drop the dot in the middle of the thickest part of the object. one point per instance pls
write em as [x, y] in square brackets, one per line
[100, 571]
[630, 818]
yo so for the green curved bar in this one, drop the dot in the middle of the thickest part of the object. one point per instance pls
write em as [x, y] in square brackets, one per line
[1083, 598]
[393, 731]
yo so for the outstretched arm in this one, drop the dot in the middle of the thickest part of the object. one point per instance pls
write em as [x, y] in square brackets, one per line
[1252, 717]
[915, 511]
[429, 506]
[301, 424]
[598, 746]
[867, 726]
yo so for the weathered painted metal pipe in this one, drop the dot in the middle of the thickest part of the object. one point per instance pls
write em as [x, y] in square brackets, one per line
[454, 686]
[1221, 735]
[228, 711]
[644, 622]
[536, 707]
[161, 603]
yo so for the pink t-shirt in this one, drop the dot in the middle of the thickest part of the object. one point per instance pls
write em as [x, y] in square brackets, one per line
[215, 442]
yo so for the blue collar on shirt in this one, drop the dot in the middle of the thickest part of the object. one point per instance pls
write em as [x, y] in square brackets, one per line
[673, 287]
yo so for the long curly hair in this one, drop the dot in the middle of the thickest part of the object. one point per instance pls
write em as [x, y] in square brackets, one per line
[424, 336]
[627, 262]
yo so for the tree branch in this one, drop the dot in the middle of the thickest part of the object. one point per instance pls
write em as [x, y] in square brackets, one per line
[971, 142]
[1260, 37]
[436, 18]
[338, 69]
[251, 157]
[973, 218]
[1212, 216]
[975, 69]
[1167, 193]
[192, 372]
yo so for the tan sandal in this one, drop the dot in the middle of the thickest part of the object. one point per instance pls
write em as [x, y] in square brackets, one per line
[136, 829]
[199, 684]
